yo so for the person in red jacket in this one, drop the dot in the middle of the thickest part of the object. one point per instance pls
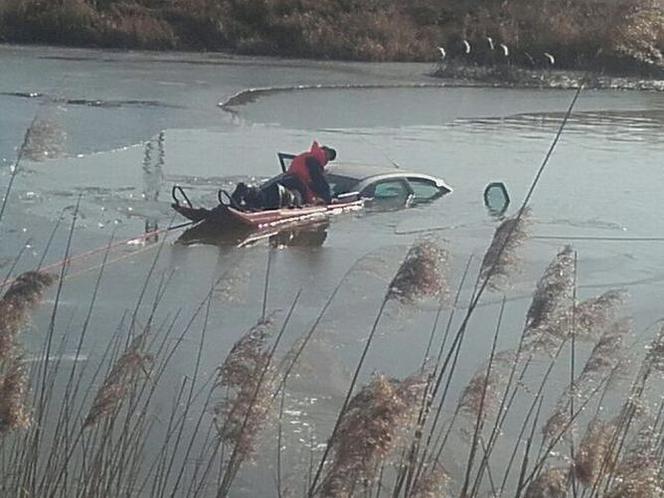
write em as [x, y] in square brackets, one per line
[306, 174]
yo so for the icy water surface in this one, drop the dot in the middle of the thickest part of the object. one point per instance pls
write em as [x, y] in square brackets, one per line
[120, 129]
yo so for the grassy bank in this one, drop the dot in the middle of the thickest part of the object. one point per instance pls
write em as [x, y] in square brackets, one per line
[605, 34]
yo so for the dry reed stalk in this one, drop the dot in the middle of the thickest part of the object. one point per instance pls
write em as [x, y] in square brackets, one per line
[374, 422]
[637, 474]
[548, 318]
[588, 319]
[114, 389]
[554, 290]
[23, 294]
[655, 356]
[558, 423]
[608, 353]
[45, 140]
[251, 382]
[13, 393]
[434, 484]
[634, 408]
[595, 458]
[643, 484]
[594, 314]
[422, 274]
[501, 257]
[642, 447]
[604, 360]
[404, 292]
[482, 393]
[552, 483]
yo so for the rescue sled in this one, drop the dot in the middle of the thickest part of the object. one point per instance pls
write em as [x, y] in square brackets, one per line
[226, 215]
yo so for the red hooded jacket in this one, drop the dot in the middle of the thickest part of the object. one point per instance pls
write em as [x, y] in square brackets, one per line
[300, 170]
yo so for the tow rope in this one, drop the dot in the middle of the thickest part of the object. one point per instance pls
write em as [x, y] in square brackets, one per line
[136, 240]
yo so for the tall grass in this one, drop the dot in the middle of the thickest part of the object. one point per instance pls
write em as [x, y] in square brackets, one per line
[93, 440]
[611, 35]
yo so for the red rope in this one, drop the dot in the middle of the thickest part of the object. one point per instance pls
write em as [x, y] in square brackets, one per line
[96, 251]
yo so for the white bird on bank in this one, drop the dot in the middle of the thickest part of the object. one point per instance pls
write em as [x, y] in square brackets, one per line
[466, 45]
[506, 51]
[492, 45]
[443, 54]
[550, 58]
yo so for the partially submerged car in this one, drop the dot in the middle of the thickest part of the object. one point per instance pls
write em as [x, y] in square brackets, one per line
[381, 186]
[353, 186]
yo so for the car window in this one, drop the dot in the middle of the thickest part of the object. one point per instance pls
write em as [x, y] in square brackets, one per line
[394, 192]
[390, 190]
[423, 189]
[341, 184]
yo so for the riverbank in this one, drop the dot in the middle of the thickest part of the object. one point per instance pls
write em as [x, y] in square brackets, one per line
[507, 76]
[606, 36]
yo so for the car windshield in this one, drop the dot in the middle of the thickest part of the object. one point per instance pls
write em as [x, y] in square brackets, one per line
[341, 184]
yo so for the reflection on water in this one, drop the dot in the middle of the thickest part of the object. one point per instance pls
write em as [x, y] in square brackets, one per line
[153, 177]
[45, 139]
[212, 233]
[304, 237]
[622, 126]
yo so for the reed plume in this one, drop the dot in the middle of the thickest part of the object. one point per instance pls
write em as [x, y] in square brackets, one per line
[604, 360]
[501, 257]
[23, 294]
[558, 422]
[642, 484]
[242, 414]
[554, 290]
[482, 393]
[588, 320]
[608, 353]
[434, 484]
[595, 456]
[13, 393]
[637, 474]
[593, 315]
[369, 430]
[552, 483]
[548, 317]
[655, 355]
[422, 274]
[115, 387]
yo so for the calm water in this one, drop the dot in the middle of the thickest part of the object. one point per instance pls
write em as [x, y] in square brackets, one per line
[130, 125]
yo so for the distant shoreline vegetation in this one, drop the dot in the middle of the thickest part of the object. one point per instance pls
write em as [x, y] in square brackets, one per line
[616, 36]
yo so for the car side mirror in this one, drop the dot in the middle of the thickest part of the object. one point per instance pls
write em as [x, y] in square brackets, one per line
[496, 198]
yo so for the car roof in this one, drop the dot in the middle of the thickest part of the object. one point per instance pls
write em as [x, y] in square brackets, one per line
[364, 171]
[364, 174]
[359, 171]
